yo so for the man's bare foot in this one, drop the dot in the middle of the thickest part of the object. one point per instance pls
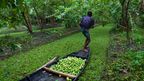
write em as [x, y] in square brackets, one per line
[85, 50]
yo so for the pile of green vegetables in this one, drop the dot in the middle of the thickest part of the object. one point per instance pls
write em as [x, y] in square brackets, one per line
[70, 65]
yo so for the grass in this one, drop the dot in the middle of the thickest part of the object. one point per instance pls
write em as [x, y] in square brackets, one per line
[20, 65]
[99, 45]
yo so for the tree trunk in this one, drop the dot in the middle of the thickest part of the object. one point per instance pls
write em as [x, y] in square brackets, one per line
[142, 6]
[141, 12]
[52, 21]
[39, 20]
[124, 21]
[28, 22]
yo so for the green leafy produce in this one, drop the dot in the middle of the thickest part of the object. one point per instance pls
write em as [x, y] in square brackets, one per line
[68, 79]
[70, 65]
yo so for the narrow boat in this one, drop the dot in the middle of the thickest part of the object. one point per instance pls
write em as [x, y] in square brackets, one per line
[44, 73]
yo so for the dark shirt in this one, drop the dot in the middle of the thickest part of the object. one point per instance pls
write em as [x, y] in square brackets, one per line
[87, 22]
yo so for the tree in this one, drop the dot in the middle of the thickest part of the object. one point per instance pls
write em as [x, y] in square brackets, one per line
[27, 19]
[141, 13]
[15, 9]
[124, 21]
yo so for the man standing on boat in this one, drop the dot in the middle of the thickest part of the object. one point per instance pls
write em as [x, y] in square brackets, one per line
[86, 23]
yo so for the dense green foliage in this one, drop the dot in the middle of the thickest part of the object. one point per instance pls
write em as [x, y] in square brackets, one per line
[14, 42]
[129, 67]
[70, 65]
[67, 12]
[138, 36]
[35, 16]
[129, 63]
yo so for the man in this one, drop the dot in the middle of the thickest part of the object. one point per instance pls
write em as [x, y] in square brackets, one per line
[86, 23]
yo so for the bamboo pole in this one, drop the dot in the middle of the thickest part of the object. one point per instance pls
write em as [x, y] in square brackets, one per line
[51, 61]
[59, 73]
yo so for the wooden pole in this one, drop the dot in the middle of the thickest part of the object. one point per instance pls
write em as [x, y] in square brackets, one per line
[51, 61]
[59, 73]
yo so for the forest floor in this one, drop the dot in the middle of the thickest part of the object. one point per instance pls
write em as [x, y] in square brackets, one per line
[20, 65]
[125, 59]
